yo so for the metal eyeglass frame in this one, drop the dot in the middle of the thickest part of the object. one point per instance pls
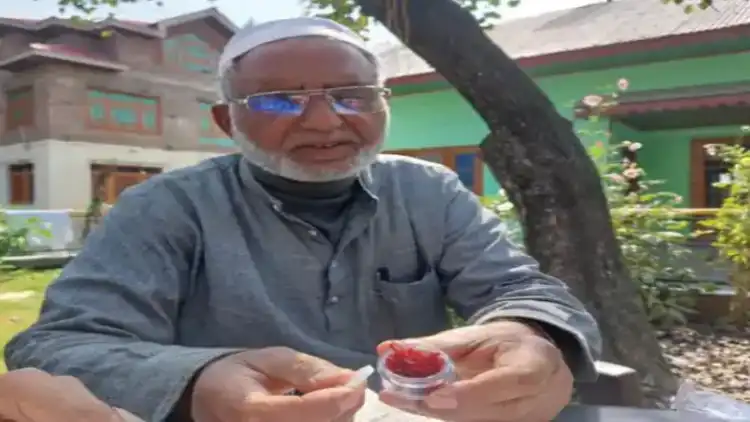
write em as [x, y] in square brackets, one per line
[383, 91]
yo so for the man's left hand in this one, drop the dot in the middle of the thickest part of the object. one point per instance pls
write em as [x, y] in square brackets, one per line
[508, 371]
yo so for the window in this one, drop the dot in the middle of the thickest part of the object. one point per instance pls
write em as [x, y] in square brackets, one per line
[211, 134]
[188, 52]
[465, 161]
[108, 182]
[21, 184]
[19, 109]
[123, 112]
[705, 171]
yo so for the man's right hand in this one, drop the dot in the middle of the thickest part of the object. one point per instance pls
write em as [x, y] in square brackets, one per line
[251, 386]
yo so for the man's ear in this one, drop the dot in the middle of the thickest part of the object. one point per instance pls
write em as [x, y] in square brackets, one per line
[220, 113]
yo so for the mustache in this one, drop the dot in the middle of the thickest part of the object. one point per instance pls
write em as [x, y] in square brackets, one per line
[323, 143]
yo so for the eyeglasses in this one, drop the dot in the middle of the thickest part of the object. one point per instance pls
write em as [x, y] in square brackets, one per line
[344, 100]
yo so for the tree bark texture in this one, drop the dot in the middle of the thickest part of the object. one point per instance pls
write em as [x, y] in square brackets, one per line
[539, 161]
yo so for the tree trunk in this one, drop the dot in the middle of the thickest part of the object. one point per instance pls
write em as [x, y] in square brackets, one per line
[539, 161]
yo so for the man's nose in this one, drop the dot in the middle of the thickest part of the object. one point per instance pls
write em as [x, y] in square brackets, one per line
[319, 115]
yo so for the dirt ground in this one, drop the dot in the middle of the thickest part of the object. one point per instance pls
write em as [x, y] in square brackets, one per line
[716, 359]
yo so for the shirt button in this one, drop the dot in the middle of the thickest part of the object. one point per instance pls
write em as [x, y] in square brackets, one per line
[313, 233]
[277, 207]
[334, 264]
[333, 300]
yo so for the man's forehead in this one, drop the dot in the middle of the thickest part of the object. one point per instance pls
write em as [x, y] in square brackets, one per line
[310, 61]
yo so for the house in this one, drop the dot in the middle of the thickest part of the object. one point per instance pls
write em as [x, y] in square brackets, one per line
[118, 101]
[688, 75]
[104, 104]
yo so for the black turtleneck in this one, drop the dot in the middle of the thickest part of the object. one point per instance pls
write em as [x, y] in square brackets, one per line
[324, 205]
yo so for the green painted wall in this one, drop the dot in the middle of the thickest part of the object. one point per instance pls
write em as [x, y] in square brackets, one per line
[442, 118]
[666, 154]
[436, 119]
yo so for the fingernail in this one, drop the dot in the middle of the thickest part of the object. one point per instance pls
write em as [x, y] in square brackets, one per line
[360, 377]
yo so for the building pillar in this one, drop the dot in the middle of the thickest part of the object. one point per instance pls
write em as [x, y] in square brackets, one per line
[68, 175]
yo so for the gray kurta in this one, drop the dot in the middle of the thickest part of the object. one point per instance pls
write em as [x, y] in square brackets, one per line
[199, 262]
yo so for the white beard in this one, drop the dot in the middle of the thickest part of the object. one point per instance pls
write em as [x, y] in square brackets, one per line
[283, 166]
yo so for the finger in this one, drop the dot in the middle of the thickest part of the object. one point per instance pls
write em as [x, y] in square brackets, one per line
[305, 372]
[512, 410]
[492, 393]
[340, 400]
[556, 396]
[126, 416]
[418, 407]
[349, 415]
[495, 386]
[326, 404]
[399, 402]
[455, 343]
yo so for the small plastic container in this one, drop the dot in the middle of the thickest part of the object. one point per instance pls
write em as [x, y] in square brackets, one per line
[411, 387]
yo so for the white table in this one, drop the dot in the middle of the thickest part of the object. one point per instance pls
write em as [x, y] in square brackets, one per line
[375, 411]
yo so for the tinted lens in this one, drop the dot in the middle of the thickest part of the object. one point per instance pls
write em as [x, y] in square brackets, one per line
[357, 100]
[278, 103]
[343, 100]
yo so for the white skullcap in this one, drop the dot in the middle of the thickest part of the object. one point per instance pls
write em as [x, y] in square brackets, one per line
[252, 36]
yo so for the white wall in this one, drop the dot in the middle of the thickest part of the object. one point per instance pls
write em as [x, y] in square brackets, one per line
[35, 153]
[62, 169]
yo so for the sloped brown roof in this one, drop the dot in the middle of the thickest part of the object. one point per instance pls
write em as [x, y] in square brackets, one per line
[595, 25]
[155, 29]
[38, 52]
[74, 54]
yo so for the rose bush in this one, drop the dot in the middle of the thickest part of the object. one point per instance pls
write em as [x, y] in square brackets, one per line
[731, 225]
[652, 235]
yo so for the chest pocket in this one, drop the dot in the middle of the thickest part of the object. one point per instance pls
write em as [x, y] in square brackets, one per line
[411, 308]
[412, 302]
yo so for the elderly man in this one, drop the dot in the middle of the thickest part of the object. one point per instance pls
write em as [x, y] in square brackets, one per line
[211, 292]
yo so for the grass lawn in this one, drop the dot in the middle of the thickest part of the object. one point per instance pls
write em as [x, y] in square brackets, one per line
[18, 306]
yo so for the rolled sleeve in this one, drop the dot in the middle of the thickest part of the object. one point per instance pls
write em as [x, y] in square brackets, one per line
[488, 278]
[110, 318]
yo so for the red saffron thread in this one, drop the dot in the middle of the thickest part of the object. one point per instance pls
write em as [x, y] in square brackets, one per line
[412, 362]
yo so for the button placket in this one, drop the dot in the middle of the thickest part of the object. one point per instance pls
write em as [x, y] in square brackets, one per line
[335, 278]
[311, 231]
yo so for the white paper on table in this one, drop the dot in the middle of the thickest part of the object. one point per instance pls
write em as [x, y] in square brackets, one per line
[376, 411]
